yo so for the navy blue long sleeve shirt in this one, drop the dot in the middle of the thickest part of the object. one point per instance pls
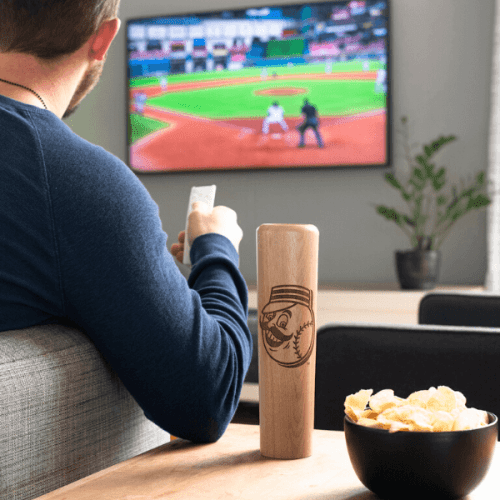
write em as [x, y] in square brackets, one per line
[81, 243]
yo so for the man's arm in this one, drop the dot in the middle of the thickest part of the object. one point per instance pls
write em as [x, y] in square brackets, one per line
[181, 348]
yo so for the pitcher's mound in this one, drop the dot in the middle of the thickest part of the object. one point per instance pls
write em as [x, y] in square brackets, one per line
[282, 91]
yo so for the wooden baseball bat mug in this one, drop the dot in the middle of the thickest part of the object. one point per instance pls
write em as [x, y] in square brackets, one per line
[287, 285]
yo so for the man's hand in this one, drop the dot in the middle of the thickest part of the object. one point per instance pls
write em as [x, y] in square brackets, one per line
[177, 249]
[202, 220]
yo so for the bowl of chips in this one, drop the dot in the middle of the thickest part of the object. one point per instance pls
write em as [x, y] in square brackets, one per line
[427, 445]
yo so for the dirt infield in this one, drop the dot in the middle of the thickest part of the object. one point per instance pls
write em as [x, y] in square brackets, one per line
[281, 92]
[195, 143]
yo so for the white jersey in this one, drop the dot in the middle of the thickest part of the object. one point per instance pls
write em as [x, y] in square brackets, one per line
[275, 114]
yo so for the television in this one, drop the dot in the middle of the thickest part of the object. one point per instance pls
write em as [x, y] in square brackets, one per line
[295, 85]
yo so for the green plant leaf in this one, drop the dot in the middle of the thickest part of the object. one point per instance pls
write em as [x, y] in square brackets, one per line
[429, 170]
[441, 200]
[390, 214]
[437, 185]
[439, 179]
[480, 178]
[391, 179]
[436, 145]
[478, 202]
[418, 173]
[421, 160]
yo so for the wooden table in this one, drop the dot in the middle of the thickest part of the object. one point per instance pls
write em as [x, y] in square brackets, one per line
[233, 468]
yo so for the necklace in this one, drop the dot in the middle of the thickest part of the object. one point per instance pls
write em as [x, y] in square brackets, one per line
[27, 88]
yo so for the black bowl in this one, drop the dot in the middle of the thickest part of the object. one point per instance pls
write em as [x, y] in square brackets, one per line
[409, 465]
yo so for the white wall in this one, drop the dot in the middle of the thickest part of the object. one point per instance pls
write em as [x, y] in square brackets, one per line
[441, 65]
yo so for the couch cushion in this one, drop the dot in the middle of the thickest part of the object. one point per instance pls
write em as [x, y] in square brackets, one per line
[64, 413]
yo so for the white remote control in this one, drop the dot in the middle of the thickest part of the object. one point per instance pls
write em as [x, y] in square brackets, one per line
[198, 193]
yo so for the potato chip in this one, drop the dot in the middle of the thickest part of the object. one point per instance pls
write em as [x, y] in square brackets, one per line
[384, 399]
[443, 421]
[418, 419]
[369, 422]
[470, 418]
[369, 414]
[398, 427]
[359, 400]
[355, 404]
[354, 415]
[438, 409]
[443, 399]
[384, 422]
[420, 398]
[461, 401]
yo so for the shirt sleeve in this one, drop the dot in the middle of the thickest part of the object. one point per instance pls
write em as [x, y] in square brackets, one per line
[182, 348]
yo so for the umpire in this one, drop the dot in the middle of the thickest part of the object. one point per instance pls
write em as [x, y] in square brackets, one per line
[311, 120]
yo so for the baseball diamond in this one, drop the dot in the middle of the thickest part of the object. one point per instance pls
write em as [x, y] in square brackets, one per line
[219, 119]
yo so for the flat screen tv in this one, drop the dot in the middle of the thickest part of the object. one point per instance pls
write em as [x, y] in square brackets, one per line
[295, 85]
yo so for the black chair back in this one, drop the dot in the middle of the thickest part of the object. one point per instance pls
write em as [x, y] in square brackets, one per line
[406, 359]
[460, 309]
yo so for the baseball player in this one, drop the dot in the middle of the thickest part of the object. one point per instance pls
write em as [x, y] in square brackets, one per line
[274, 115]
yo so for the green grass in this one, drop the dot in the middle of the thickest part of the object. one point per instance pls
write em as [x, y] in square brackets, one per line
[340, 67]
[335, 97]
[140, 126]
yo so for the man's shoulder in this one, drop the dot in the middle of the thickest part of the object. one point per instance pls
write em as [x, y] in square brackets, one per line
[64, 149]
[75, 165]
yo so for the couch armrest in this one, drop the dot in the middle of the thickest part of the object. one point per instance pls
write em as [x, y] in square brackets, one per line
[64, 413]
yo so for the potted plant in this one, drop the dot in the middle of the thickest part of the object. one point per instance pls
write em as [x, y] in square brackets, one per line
[432, 211]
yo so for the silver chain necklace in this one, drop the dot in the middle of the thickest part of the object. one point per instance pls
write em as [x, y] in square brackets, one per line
[27, 88]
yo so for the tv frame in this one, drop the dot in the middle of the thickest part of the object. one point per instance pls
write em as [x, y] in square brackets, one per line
[271, 167]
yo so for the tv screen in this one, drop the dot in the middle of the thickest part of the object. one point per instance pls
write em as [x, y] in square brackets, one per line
[298, 85]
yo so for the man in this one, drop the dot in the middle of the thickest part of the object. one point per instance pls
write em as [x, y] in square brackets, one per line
[275, 114]
[81, 239]
[311, 120]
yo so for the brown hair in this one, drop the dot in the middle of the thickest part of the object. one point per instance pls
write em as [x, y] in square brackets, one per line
[49, 29]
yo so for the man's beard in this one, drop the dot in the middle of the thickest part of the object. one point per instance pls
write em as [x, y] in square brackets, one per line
[87, 83]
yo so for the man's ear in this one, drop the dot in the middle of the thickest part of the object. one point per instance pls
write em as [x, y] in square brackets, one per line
[101, 40]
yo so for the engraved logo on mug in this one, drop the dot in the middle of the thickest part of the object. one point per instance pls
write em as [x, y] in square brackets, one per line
[287, 324]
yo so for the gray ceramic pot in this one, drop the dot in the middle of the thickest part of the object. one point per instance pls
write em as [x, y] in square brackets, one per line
[418, 270]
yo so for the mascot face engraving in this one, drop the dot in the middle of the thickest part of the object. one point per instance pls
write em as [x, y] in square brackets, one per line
[287, 325]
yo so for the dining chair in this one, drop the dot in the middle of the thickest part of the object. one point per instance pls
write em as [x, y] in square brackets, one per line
[405, 358]
[460, 308]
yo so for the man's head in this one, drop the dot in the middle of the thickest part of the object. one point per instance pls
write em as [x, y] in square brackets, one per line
[49, 30]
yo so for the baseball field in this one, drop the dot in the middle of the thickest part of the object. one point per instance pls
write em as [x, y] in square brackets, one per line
[213, 120]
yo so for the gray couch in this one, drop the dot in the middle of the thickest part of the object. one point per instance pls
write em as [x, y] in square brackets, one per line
[64, 414]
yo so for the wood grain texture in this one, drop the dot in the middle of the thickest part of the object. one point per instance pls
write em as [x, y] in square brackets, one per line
[287, 286]
[233, 468]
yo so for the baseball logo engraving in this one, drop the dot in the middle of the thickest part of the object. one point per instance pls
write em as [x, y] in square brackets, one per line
[287, 325]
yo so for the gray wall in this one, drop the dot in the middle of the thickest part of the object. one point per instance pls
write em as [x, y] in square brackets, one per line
[441, 67]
